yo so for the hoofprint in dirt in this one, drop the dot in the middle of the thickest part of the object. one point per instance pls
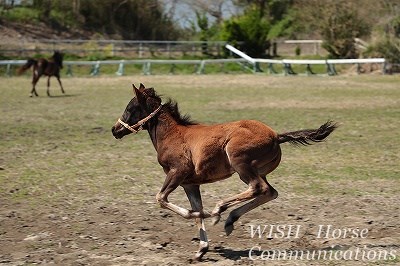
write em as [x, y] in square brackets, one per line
[71, 195]
[114, 234]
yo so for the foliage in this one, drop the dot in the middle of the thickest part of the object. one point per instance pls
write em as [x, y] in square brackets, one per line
[129, 19]
[22, 14]
[248, 32]
[388, 46]
[338, 23]
[389, 49]
[340, 30]
[283, 28]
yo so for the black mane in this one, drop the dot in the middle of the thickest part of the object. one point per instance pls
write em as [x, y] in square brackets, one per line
[58, 58]
[172, 108]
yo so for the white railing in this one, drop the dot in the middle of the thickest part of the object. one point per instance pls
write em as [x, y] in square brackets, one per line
[201, 64]
[120, 69]
[287, 63]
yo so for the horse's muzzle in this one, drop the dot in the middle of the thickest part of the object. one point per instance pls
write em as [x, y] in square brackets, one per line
[117, 132]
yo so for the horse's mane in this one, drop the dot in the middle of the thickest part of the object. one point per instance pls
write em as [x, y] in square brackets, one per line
[172, 107]
[58, 58]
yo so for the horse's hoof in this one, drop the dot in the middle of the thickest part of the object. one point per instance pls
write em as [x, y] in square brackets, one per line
[215, 219]
[199, 255]
[228, 229]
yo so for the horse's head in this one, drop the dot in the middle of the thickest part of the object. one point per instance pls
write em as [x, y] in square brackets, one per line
[139, 110]
[58, 58]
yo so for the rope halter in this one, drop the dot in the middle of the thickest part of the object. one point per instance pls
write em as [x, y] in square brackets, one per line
[139, 125]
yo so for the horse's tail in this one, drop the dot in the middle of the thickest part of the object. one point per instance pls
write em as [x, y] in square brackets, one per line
[27, 65]
[307, 136]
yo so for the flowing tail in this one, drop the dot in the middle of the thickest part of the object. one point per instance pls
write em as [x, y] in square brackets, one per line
[307, 136]
[25, 67]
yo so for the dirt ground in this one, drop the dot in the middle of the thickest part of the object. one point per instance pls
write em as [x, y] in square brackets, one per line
[140, 233]
[123, 225]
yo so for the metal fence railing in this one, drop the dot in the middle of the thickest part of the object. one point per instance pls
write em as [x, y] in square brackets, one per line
[114, 48]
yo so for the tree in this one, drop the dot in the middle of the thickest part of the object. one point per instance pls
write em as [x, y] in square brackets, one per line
[338, 22]
[248, 32]
[131, 19]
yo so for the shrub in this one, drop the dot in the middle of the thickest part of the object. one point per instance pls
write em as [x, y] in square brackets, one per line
[248, 32]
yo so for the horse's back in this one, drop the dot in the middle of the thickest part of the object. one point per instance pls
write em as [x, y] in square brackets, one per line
[214, 146]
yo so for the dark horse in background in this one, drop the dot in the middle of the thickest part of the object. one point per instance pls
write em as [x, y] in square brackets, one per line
[193, 154]
[45, 67]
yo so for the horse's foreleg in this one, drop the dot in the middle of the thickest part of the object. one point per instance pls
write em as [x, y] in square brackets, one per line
[59, 82]
[172, 181]
[48, 86]
[194, 196]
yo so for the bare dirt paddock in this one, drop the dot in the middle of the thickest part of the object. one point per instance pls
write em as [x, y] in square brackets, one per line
[71, 194]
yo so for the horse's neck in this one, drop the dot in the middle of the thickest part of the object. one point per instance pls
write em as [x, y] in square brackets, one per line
[162, 128]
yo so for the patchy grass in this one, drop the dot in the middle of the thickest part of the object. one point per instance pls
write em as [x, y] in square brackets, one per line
[88, 198]
[62, 146]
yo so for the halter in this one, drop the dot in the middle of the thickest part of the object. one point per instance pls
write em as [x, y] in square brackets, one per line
[141, 122]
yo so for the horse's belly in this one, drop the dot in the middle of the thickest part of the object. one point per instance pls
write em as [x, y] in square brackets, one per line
[211, 170]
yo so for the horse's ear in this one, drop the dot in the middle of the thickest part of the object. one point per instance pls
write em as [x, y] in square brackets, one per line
[139, 95]
[141, 87]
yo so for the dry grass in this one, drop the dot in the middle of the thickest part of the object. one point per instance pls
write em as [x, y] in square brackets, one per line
[58, 156]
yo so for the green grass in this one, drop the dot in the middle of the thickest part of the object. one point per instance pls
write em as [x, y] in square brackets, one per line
[61, 148]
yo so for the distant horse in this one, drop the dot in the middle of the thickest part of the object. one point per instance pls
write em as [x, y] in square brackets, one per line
[45, 67]
[192, 154]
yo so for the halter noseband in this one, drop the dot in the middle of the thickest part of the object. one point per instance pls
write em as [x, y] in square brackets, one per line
[139, 125]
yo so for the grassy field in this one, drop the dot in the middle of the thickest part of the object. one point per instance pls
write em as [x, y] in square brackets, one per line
[58, 155]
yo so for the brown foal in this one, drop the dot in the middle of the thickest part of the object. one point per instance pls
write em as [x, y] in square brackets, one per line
[192, 154]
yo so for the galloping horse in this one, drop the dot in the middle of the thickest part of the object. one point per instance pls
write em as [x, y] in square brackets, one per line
[192, 154]
[45, 67]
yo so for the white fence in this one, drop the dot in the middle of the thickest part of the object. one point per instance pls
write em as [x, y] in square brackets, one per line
[254, 63]
[120, 65]
[287, 63]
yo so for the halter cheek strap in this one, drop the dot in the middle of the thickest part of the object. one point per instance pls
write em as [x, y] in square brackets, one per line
[139, 125]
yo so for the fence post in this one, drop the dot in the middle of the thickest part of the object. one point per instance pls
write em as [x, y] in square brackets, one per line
[309, 70]
[200, 70]
[147, 68]
[69, 70]
[331, 69]
[120, 71]
[271, 69]
[95, 69]
[140, 50]
[384, 68]
[8, 70]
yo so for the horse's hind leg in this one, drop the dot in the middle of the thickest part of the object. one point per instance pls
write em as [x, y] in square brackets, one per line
[238, 212]
[194, 196]
[35, 79]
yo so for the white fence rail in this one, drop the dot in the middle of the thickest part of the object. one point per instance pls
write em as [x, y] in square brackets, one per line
[201, 64]
[287, 63]
[120, 65]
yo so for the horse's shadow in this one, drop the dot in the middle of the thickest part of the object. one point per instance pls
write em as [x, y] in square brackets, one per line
[235, 255]
[64, 96]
